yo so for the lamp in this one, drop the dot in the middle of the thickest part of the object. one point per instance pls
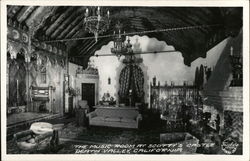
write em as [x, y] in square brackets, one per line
[96, 23]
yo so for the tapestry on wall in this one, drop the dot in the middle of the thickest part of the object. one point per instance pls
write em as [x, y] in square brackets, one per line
[131, 85]
[17, 83]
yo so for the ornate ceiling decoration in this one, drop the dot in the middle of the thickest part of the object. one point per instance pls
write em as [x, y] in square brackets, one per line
[66, 22]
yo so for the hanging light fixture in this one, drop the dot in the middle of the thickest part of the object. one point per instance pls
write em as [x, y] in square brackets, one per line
[120, 48]
[95, 22]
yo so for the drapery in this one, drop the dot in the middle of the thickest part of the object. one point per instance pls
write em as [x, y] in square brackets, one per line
[131, 77]
[17, 77]
[138, 80]
[124, 83]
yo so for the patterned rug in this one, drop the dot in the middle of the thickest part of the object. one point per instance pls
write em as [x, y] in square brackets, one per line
[74, 135]
[111, 135]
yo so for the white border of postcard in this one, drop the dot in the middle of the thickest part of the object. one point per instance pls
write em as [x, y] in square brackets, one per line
[70, 157]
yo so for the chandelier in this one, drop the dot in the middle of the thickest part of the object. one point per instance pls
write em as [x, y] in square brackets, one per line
[120, 47]
[95, 22]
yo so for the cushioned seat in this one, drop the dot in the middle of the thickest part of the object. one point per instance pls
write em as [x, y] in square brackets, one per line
[99, 118]
[115, 117]
[128, 120]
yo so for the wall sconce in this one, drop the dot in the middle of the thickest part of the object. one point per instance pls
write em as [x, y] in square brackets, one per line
[109, 81]
[79, 72]
[66, 78]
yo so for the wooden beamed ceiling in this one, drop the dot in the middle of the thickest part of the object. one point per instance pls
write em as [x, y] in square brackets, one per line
[66, 22]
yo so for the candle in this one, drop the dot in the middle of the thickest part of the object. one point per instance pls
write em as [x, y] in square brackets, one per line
[231, 51]
[108, 13]
[98, 11]
[87, 12]
[17, 88]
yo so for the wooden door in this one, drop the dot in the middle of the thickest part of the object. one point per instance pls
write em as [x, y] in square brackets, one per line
[88, 93]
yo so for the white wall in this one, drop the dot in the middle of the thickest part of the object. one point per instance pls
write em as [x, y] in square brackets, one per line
[76, 83]
[165, 66]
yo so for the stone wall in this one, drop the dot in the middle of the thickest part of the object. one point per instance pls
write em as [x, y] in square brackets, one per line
[228, 101]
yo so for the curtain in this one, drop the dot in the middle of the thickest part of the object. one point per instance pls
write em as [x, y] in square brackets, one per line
[131, 77]
[17, 75]
[138, 80]
[124, 83]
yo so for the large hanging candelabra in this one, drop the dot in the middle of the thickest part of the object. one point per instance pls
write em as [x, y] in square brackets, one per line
[120, 48]
[95, 22]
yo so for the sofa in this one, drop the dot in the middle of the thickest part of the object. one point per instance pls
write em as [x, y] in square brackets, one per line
[115, 117]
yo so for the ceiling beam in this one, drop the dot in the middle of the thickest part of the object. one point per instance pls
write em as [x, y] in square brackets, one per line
[30, 14]
[96, 47]
[88, 46]
[74, 30]
[78, 11]
[83, 44]
[72, 26]
[13, 10]
[190, 19]
[59, 20]
[51, 19]
[26, 11]
[16, 12]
